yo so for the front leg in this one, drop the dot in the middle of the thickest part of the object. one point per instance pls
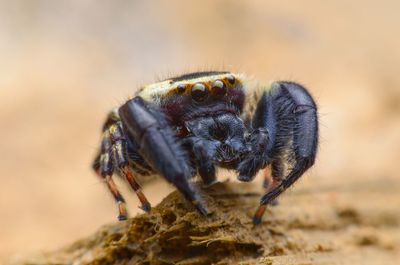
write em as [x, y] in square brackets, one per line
[289, 115]
[159, 147]
[203, 159]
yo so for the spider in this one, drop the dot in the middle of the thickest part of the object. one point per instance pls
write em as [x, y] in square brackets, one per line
[197, 122]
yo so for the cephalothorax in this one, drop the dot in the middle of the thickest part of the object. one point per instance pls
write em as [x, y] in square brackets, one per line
[197, 122]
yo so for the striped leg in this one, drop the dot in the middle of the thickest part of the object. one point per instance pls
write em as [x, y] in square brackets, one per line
[127, 172]
[123, 214]
[114, 157]
[104, 168]
[120, 157]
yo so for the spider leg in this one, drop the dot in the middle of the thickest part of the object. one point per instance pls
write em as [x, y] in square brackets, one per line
[121, 160]
[290, 116]
[127, 172]
[123, 214]
[112, 157]
[104, 167]
[204, 163]
[158, 146]
[269, 183]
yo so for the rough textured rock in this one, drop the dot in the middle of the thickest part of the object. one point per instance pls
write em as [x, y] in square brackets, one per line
[306, 228]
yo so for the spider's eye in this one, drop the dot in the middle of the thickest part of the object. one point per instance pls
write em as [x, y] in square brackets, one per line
[181, 88]
[219, 88]
[199, 92]
[231, 79]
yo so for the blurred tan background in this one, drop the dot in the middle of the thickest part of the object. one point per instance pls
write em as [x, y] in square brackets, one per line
[64, 64]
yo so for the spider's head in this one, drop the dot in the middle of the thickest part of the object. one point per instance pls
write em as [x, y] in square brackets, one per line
[207, 105]
[223, 136]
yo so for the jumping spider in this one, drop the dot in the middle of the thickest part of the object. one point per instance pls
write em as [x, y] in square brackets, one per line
[199, 121]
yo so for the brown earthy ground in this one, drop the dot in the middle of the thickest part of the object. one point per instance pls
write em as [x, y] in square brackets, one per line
[344, 227]
[64, 64]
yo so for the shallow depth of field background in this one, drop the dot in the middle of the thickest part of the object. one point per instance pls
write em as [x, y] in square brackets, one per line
[64, 64]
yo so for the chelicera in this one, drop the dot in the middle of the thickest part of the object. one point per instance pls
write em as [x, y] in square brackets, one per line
[195, 123]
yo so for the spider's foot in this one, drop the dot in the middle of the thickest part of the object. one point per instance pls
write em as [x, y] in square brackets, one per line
[123, 214]
[257, 219]
[146, 207]
[201, 208]
[122, 217]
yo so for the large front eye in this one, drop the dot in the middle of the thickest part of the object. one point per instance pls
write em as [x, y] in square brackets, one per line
[199, 92]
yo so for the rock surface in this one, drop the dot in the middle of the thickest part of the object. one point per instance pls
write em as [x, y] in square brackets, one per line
[318, 227]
